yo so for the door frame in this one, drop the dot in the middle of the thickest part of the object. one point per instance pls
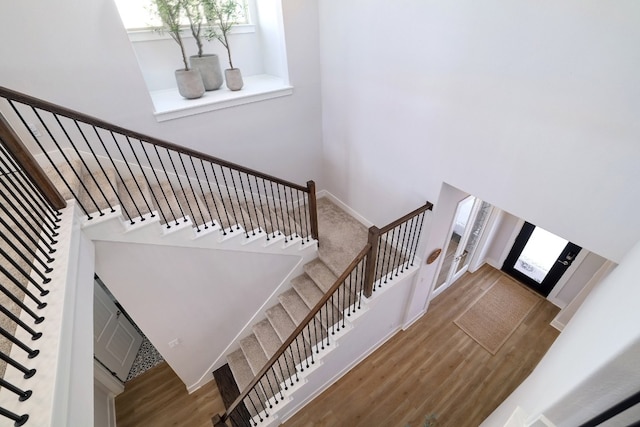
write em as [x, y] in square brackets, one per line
[452, 276]
[555, 274]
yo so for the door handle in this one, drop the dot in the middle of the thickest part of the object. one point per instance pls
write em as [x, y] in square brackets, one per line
[564, 262]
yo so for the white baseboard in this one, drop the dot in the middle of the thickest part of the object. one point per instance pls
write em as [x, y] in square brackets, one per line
[342, 205]
[417, 317]
[557, 324]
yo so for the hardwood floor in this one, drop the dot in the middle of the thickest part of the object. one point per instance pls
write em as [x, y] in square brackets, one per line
[158, 398]
[432, 368]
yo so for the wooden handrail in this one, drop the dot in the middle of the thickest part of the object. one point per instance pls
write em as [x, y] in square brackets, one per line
[294, 335]
[426, 207]
[74, 115]
[29, 164]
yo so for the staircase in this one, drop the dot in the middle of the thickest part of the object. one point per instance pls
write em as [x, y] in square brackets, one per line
[337, 230]
[135, 188]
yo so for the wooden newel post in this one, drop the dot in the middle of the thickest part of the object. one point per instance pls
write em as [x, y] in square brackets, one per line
[370, 268]
[217, 421]
[313, 209]
[12, 143]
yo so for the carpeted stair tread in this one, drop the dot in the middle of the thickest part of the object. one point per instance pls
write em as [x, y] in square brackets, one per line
[139, 190]
[240, 368]
[68, 175]
[253, 352]
[323, 277]
[341, 236]
[256, 218]
[307, 289]
[101, 184]
[267, 337]
[281, 321]
[294, 305]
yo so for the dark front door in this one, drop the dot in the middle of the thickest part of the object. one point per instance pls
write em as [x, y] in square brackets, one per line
[539, 258]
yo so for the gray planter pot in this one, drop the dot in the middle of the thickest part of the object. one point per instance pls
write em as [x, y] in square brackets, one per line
[209, 66]
[233, 76]
[190, 83]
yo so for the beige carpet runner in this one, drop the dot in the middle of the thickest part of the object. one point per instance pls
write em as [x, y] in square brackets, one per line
[493, 317]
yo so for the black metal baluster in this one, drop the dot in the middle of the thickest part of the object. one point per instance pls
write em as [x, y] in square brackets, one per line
[266, 196]
[254, 405]
[362, 276]
[308, 328]
[293, 211]
[264, 217]
[19, 303]
[233, 209]
[166, 174]
[126, 187]
[28, 373]
[407, 229]
[393, 252]
[204, 199]
[85, 165]
[415, 248]
[244, 195]
[144, 175]
[30, 184]
[34, 335]
[283, 213]
[17, 237]
[175, 171]
[284, 377]
[413, 229]
[218, 218]
[31, 353]
[275, 394]
[22, 394]
[195, 197]
[27, 196]
[306, 215]
[24, 231]
[253, 202]
[162, 214]
[315, 330]
[19, 419]
[20, 210]
[299, 355]
[293, 360]
[46, 154]
[262, 403]
[117, 171]
[275, 211]
[21, 287]
[26, 258]
[351, 294]
[226, 211]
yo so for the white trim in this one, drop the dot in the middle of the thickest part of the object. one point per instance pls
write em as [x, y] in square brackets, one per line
[147, 34]
[512, 239]
[169, 105]
[569, 272]
[104, 377]
[342, 205]
[417, 317]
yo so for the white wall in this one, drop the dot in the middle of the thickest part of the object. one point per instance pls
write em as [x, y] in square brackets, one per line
[78, 54]
[530, 106]
[594, 363]
[202, 297]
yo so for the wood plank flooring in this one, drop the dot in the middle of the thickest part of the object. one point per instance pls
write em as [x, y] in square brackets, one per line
[432, 368]
[158, 398]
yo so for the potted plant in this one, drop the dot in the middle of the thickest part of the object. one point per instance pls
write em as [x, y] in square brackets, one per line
[221, 15]
[189, 80]
[207, 64]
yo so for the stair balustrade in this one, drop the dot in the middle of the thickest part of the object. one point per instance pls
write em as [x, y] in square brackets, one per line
[28, 230]
[390, 251]
[103, 166]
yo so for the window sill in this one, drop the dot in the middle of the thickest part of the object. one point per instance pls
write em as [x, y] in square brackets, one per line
[169, 105]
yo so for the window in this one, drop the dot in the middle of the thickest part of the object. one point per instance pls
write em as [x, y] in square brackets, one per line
[257, 47]
[140, 15]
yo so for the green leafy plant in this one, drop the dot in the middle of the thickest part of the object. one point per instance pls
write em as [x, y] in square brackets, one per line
[221, 15]
[169, 12]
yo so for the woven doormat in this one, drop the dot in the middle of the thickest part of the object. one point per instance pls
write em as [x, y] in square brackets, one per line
[493, 317]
